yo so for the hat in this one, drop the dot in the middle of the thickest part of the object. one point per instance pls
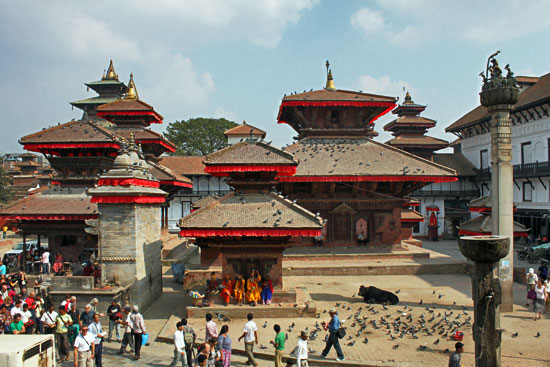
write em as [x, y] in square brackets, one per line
[332, 310]
[531, 271]
[459, 345]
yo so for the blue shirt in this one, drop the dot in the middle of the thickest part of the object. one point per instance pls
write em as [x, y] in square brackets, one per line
[224, 343]
[2, 269]
[334, 323]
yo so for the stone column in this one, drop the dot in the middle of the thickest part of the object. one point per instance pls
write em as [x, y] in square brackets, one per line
[499, 94]
[486, 251]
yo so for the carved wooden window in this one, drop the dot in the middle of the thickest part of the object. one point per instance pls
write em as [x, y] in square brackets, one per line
[334, 116]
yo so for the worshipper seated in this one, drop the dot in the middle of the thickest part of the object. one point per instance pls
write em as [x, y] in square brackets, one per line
[58, 264]
[267, 291]
[377, 295]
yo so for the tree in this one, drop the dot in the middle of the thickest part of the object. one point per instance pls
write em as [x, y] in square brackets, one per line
[198, 136]
[5, 186]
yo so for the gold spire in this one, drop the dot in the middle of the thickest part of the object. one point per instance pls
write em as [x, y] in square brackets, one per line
[330, 81]
[132, 91]
[110, 75]
[408, 99]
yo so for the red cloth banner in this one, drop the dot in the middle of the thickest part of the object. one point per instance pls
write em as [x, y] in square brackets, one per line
[177, 183]
[411, 204]
[389, 105]
[225, 169]
[214, 232]
[39, 147]
[127, 182]
[432, 209]
[367, 178]
[107, 114]
[48, 217]
[128, 199]
[412, 220]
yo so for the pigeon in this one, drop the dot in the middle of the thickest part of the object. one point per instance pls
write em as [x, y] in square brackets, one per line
[441, 295]
[262, 346]
[265, 324]
[397, 291]
[423, 347]
[395, 346]
[538, 334]
[421, 301]
[515, 335]
[436, 341]
[351, 343]
[366, 341]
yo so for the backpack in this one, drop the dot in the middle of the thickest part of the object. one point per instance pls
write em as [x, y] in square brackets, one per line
[188, 338]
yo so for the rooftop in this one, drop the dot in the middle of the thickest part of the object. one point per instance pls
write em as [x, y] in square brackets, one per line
[250, 152]
[245, 129]
[70, 132]
[185, 165]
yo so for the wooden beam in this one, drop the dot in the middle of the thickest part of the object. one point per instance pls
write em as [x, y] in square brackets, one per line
[332, 188]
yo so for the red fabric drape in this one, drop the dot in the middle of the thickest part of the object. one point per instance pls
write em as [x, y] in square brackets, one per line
[128, 199]
[48, 217]
[127, 182]
[177, 183]
[411, 204]
[471, 233]
[38, 147]
[433, 220]
[367, 178]
[160, 142]
[55, 182]
[412, 220]
[220, 170]
[106, 114]
[213, 232]
[480, 209]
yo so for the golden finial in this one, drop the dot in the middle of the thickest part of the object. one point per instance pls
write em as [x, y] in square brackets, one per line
[408, 99]
[132, 91]
[330, 81]
[110, 75]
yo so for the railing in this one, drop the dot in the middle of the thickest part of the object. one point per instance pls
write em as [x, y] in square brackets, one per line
[447, 192]
[524, 170]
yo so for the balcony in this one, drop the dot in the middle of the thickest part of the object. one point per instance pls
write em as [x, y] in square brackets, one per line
[525, 170]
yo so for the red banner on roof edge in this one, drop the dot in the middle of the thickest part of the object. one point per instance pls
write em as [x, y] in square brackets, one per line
[223, 170]
[366, 178]
[211, 232]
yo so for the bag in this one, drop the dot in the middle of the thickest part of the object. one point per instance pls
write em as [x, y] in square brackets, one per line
[531, 295]
[188, 339]
[341, 333]
[144, 338]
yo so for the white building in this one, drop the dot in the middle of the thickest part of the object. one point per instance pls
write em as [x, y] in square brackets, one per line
[530, 154]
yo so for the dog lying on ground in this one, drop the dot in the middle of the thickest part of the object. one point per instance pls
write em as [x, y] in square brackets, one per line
[377, 295]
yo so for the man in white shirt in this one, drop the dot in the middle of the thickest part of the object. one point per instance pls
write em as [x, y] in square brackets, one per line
[95, 330]
[48, 319]
[84, 348]
[26, 316]
[17, 309]
[179, 347]
[301, 351]
[250, 335]
[127, 338]
[46, 262]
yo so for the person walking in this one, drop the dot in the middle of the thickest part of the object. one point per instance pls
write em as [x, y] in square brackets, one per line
[454, 358]
[84, 349]
[189, 337]
[4, 232]
[113, 311]
[300, 352]
[279, 344]
[531, 280]
[87, 317]
[45, 262]
[179, 347]
[250, 335]
[540, 299]
[127, 338]
[211, 328]
[138, 329]
[224, 346]
[95, 329]
[333, 326]
[63, 321]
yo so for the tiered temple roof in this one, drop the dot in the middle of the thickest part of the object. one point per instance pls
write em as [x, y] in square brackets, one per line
[244, 130]
[410, 130]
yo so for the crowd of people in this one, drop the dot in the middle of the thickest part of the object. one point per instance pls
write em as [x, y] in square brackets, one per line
[538, 290]
[252, 290]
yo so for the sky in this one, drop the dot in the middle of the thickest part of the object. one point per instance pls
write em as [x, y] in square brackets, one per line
[237, 58]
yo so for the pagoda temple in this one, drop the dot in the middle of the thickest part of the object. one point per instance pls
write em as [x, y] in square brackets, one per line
[409, 130]
[80, 151]
[357, 184]
[250, 227]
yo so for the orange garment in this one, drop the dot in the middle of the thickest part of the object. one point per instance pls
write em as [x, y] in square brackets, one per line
[252, 291]
[258, 289]
[238, 290]
[227, 290]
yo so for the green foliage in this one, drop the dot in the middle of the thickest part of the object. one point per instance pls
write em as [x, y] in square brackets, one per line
[5, 186]
[198, 136]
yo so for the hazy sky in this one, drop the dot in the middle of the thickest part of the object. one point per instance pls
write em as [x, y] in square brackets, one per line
[236, 58]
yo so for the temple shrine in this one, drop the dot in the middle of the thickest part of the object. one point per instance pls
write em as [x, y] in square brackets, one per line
[249, 228]
[357, 184]
[80, 151]
[409, 130]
